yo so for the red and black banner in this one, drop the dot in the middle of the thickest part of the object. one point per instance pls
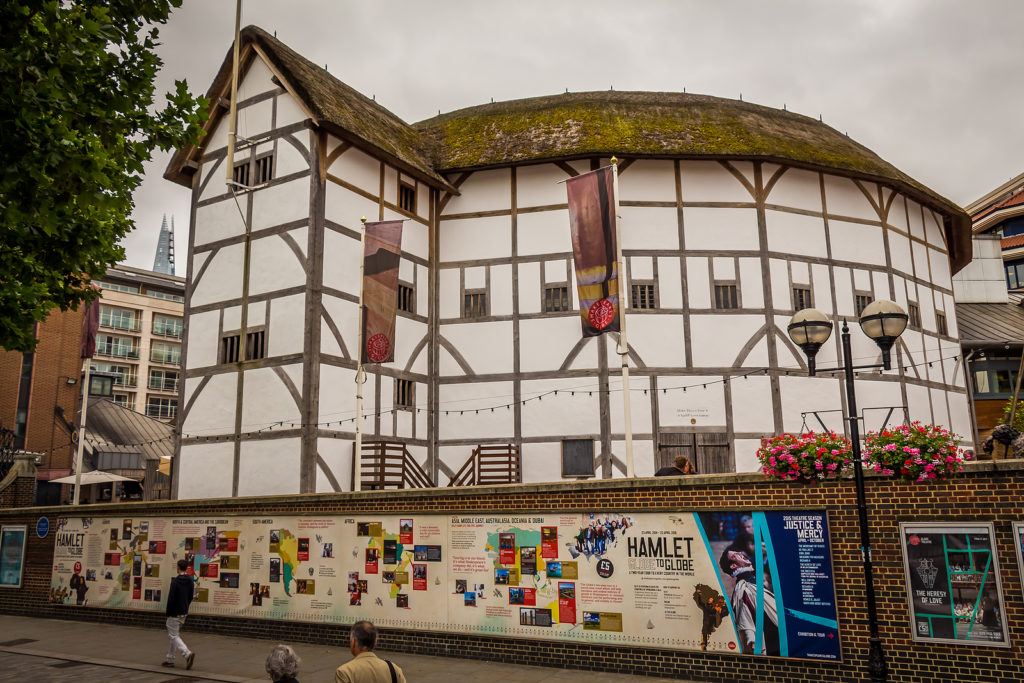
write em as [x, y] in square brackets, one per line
[592, 221]
[380, 290]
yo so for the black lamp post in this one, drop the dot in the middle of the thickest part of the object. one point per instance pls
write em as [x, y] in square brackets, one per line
[883, 321]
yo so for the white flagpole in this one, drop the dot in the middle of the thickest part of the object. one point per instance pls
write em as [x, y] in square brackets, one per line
[357, 470]
[81, 434]
[229, 171]
[623, 346]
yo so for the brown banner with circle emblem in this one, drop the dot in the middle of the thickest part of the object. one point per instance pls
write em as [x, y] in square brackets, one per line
[381, 255]
[592, 222]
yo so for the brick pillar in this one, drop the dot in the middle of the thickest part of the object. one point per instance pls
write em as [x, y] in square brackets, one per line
[18, 488]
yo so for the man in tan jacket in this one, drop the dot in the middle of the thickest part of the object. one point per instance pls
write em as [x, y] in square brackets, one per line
[365, 666]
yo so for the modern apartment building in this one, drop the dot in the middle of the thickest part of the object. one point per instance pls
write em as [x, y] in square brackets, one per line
[139, 338]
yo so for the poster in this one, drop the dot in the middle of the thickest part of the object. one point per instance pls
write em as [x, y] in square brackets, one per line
[664, 580]
[953, 587]
[12, 555]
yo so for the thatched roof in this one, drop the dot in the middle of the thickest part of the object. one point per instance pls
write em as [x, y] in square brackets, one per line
[579, 125]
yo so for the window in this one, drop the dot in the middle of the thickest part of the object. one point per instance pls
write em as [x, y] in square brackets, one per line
[940, 324]
[165, 295]
[119, 347]
[578, 458]
[913, 315]
[1015, 275]
[474, 304]
[406, 298]
[643, 296]
[263, 169]
[405, 394]
[163, 380]
[994, 375]
[162, 352]
[125, 374]
[119, 461]
[114, 287]
[556, 298]
[726, 296]
[801, 298]
[255, 344]
[165, 326]
[407, 197]
[161, 408]
[229, 348]
[241, 173]
[119, 318]
[860, 302]
[125, 400]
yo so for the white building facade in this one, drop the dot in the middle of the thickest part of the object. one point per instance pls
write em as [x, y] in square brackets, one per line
[721, 247]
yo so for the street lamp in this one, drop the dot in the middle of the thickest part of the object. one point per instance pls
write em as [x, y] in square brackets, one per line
[883, 321]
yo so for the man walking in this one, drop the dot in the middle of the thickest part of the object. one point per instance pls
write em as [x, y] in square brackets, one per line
[178, 600]
[365, 666]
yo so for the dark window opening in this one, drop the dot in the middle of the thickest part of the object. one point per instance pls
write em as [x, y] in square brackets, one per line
[263, 169]
[578, 458]
[241, 173]
[801, 298]
[255, 345]
[229, 349]
[406, 298]
[940, 324]
[407, 197]
[643, 296]
[914, 315]
[556, 298]
[474, 305]
[405, 394]
[860, 302]
[726, 296]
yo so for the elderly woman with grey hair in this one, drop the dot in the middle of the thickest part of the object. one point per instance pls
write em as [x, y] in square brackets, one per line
[283, 665]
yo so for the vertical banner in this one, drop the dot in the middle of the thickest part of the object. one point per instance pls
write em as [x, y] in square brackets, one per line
[380, 290]
[592, 223]
[953, 587]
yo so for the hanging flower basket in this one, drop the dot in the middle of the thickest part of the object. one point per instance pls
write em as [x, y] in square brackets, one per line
[812, 457]
[914, 452]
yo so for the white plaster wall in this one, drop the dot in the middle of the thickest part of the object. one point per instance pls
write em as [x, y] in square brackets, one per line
[649, 227]
[483, 191]
[745, 451]
[718, 339]
[346, 208]
[543, 232]
[279, 204]
[806, 394]
[416, 239]
[796, 188]
[269, 468]
[287, 325]
[337, 455]
[658, 339]
[700, 406]
[255, 118]
[273, 265]
[223, 277]
[338, 397]
[255, 80]
[540, 185]
[289, 159]
[639, 404]
[203, 343]
[205, 470]
[752, 405]
[751, 284]
[844, 198]
[487, 347]
[543, 461]
[266, 399]
[220, 220]
[468, 398]
[408, 335]
[705, 181]
[720, 229]
[899, 252]
[449, 293]
[545, 343]
[915, 218]
[670, 285]
[344, 315]
[569, 414]
[341, 262]
[501, 290]
[856, 242]
[478, 238]
[795, 233]
[648, 180]
[213, 410]
[698, 287]
[359, 169]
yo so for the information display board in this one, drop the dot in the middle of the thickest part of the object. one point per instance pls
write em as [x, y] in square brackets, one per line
[953, 586]
[756, 583]
[12, 555]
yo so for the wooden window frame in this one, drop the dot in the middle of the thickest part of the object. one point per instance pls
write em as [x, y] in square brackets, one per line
[857, 296]
[941, 324]
[405, 400]
[411, 192]
[256, 343]
[593, 460]
[809, 303]
[913, 315]
[735, 291]
[228, 353]
[633, 299]
[466, 293]
[409, 300]
[257, 182]
[565, 303]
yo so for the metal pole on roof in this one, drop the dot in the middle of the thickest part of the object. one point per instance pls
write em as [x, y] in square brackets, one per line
[233, 113]
[623, 346]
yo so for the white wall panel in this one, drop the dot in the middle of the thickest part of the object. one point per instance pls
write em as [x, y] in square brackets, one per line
[287, 325]
[203, 343]
[290, 159]
[501, 290]
[844, 198]
[213, 410]
[718, 339]
[487, 347]
[260, 458]
[337, 455]
[206, 470]
[544, 232]
[670, 287]
[449, 293]
[266, 399]
[477, 238]
[796, 188]
[720, 229]
[470, 397]
[658, 339]
[856, 242]
[709, 181]
[223, 277]
[274, 265]
[341, 262]
[256, 79]
[746, 455]
[359, 169]
[697, 406]
[752, 405]
[346, 208]
[220, 220]
[697, 282]
[644, 227]
[483, 191]
[345, 316]
[639, 406]
[751, 283]
[540, 185]
[562, 415]
[542, 462]
[795, 233]
[648, 180]
[529, 288]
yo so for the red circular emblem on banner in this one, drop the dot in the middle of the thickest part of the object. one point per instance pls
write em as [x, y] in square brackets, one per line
[377, 348]
[732, 645]
[601, 314]
[78, 567]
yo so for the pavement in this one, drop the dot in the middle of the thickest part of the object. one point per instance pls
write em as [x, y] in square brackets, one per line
[59, 650]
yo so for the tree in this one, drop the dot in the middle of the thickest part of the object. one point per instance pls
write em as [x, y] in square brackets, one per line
[77, 122]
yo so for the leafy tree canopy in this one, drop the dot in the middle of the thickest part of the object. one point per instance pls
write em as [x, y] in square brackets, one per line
[77, 122]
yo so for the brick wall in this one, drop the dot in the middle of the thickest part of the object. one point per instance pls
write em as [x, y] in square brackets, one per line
[989, 491]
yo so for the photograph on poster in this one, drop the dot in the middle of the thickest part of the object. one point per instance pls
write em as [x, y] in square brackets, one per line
[953, 587]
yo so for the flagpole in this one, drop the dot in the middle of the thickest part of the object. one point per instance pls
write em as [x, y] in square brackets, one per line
[357, 470]
[81, 433]
[229, 170]
[623, 346]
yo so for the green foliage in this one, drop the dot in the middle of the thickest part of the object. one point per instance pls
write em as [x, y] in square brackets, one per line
[1018, 417]
[76, 102]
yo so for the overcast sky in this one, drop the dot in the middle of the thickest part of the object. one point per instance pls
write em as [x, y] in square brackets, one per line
[932, 86]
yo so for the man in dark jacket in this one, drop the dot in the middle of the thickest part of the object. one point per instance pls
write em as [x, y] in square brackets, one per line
[178, 600]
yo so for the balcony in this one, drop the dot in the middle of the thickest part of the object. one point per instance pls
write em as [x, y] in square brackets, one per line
[120, 325]
[158, 384]
[165, 357]
[161, 412]
[168, 331]
[112, 351]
